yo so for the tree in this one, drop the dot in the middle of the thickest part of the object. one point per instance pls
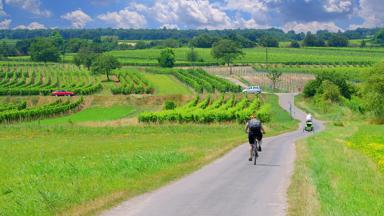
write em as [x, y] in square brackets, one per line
[227, 50]
[141, 45]
[203, 41]
[23, 46]
[363, 44]
[374, 91]
[294, 44]
[338, 40]
[167, 58]
[312, 40]
[85, 56]
[104, 64]
[268, 41]
[43, 49]
[274, 76]
[379, 38]
[192, 55]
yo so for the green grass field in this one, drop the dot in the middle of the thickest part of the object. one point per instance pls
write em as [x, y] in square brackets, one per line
[337, 171]
[54, 167]
[167, 85]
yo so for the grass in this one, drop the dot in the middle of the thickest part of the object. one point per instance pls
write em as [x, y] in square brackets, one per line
[57, 168]
[167, 85]
[333, 174]
[94, 114]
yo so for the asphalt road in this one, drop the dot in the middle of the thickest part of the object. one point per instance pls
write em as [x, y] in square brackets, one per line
[230, 185]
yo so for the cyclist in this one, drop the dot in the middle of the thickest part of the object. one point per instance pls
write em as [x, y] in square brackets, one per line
[255, 130]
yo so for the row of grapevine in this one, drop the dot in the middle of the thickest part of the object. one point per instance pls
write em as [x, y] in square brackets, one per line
[43, 79]
[58, 107]
[18, 106]
[199, 80]
[132, 82]
[209, 110]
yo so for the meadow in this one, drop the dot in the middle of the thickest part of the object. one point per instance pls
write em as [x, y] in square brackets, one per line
[50, 168]
[338, 171]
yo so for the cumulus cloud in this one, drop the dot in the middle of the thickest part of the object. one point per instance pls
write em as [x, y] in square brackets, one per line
[31, 26]
[338, 6]
[33, 6]
[78, 18]
[5, 24]
[372, 13]
[311, 26]
[124, 19]
[186, 13]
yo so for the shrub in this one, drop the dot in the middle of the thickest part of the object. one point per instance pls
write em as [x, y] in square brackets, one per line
[374, 91]
[330, 91]
[169, 105]
[311, 88]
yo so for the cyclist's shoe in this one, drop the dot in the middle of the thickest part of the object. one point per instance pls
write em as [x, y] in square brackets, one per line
[259, 149]
[250, 159]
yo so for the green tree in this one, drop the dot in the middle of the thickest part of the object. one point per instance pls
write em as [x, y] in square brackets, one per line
[141, 45]
[44, 49]
[192, 55]
[379, 37]
[167, 58]
[86, 56]
[104, 64]
[268, 41]
[227, 50]
[338, 40]
[294, 44]
[374, 91]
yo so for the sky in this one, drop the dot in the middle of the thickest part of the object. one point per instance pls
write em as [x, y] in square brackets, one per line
[297, 15]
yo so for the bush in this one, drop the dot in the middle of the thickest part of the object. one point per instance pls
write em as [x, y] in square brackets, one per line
[167, 58]
[311, 88]
[374, 91]
[330, 91]
[169, 105]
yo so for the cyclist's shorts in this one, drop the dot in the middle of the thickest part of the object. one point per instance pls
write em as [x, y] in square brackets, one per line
[252, 137]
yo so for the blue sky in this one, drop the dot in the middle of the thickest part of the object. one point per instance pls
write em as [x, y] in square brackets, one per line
[298, 15]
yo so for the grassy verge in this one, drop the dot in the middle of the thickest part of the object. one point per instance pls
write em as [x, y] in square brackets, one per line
[331, 178]
[167, 85]
[68, 169]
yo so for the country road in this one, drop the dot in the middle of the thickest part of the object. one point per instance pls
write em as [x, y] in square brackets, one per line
[230, 185]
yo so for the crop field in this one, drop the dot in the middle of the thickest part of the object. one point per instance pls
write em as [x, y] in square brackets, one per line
[212, 110]
[166, 84]
[19, 79]
[327, 56]
[131, 82]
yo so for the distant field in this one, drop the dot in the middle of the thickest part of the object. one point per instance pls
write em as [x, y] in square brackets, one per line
[167, 85]
[324, 55]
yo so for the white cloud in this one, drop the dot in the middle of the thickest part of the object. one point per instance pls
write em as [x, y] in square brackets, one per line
[78, 18]
[32, 6]
[338, 6]
[31, 26]
[311, 26]
[186, 13]
[372, 13]
[5, 24]
[124, 19]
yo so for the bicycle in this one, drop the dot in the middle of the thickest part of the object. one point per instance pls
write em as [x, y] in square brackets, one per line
[255, 153]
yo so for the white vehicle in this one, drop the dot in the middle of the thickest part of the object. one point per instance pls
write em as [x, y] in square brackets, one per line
[253, 90]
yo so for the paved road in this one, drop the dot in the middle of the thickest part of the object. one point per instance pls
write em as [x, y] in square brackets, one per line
[229, 186]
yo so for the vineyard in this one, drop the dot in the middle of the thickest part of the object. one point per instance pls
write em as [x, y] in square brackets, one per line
[200, 80]
[209, 110]
[302, 56]
[131, 82]
[33, 79]
[20, 112]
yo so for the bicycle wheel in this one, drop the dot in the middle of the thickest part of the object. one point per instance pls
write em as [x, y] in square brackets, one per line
[255, 153]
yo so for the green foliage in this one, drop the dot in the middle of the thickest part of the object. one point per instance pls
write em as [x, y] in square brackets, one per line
[330, 91]
[203, 41]
[45, 50]
[104, 64]
[311, 88]
[379, 37]
[167, 58]
[268, 41]
[85, 56]
[374, 92]
[294, 44]
[208, 110]
[192, 55]
[338, 40]
[132, 82]
[45, 111]
[169, 105]
[227, 50]
[312, 40]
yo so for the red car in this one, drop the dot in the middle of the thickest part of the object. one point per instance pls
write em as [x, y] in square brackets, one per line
[62, 93]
